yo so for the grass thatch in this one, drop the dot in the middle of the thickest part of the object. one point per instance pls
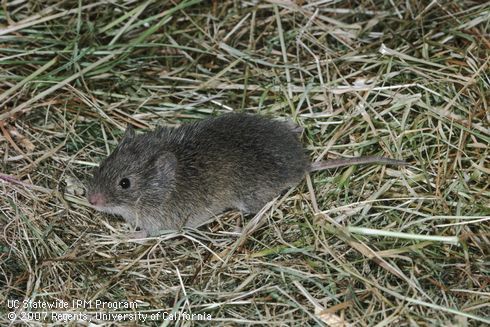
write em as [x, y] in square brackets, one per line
[404, 79]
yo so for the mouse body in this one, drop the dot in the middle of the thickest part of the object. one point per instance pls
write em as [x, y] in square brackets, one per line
[175, 177]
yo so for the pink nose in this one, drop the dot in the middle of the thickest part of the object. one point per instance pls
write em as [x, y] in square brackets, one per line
[96, 199]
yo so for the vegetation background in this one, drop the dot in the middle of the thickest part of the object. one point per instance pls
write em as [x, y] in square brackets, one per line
[405, 79]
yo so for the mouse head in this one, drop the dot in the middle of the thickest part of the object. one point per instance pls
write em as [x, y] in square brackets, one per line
[136, 172]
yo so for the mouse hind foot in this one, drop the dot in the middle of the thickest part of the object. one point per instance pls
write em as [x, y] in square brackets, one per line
[250, 205]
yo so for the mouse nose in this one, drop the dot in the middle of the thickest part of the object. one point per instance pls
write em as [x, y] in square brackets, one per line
[96, 199]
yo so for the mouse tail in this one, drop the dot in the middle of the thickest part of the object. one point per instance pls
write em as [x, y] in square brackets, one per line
[335, 163]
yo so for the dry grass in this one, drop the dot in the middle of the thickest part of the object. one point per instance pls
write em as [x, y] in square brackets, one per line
[405, 79]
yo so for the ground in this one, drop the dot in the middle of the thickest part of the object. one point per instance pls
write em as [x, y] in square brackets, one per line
[361, 246]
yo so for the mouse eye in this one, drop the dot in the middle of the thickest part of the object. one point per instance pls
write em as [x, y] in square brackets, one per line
[124, 183]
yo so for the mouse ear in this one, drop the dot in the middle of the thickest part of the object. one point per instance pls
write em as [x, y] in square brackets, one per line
[166, 165]
[128, 134]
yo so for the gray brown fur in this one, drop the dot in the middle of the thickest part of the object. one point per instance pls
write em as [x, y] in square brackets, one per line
[183, 176]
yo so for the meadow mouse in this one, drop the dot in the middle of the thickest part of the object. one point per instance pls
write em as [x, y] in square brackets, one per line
[175, 177]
